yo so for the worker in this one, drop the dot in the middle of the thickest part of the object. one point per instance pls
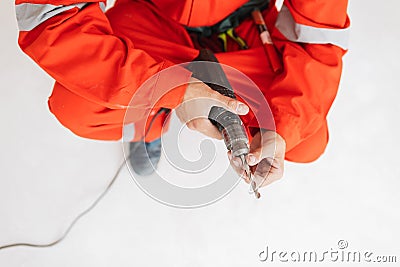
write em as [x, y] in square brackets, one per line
[100, 58]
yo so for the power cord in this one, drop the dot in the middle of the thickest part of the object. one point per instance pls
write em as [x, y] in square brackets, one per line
[93, 205]
[74, 221]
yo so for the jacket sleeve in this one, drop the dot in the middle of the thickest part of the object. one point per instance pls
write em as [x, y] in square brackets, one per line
[74, 43]
[311, 39]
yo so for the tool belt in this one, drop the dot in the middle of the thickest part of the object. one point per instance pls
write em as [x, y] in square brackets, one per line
[215, 37]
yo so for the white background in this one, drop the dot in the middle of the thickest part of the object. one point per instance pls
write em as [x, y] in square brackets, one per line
[48, 176]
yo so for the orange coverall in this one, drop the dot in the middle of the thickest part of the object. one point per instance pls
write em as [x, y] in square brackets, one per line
[99, 59]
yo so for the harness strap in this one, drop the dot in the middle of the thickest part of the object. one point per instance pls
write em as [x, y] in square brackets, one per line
[231, 21]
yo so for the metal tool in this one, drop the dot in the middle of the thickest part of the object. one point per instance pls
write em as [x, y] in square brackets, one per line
[228, 123]
[248, 173]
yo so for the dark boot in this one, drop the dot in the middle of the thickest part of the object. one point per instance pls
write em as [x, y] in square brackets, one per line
[144, 157]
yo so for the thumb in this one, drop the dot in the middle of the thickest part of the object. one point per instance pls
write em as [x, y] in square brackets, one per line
[232, 104]
[254, 157]
[264, 151]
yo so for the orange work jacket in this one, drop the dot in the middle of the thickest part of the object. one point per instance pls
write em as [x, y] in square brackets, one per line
[99, 60]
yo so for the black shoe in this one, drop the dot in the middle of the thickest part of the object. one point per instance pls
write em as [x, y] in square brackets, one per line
[144, 157]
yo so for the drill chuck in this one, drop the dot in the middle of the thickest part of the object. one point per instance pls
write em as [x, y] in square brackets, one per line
[236, 140]
[232, 129]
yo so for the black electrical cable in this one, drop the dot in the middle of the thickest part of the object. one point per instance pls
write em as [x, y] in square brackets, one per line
[94, 204]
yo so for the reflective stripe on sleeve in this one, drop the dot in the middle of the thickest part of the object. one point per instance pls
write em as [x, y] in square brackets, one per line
[31, 15]
[295, 32]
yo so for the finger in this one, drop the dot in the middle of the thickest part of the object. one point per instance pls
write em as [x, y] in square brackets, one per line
[271, 178]
[205, 127]
[267, 158]
[229, 154]
[233, 105]
[228, 103]
[257, 155]
[254, 157]
[268, 171]
[237, 166]
[268, 149]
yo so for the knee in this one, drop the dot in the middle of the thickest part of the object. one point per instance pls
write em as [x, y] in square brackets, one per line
[311, 148]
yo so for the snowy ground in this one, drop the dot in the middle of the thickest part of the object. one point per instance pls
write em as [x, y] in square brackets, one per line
[350, 193]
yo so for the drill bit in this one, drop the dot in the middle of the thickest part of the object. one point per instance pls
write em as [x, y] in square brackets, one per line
[248, 173]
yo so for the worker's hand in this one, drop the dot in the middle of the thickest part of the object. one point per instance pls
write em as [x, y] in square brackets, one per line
[266, 158]
[197, 102]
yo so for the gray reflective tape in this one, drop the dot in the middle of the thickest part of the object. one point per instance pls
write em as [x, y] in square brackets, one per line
[295, 32]
[31, 15]
[102, 6]
[128, 132]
